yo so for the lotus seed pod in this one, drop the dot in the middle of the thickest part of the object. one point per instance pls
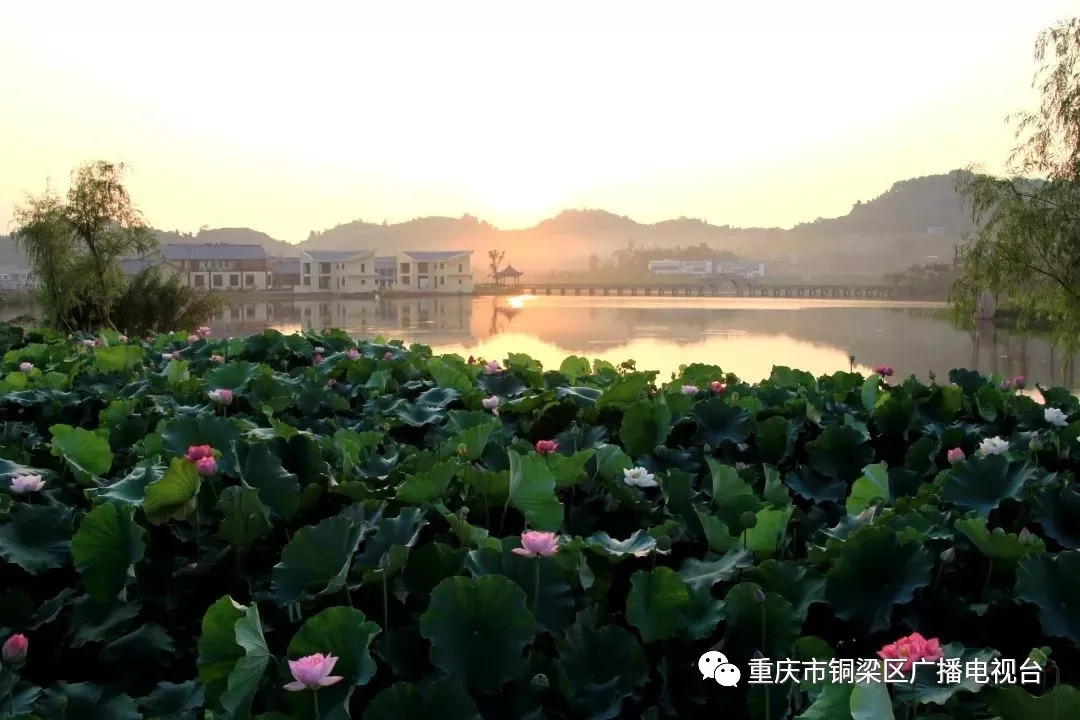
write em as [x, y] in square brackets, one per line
[540, 681]
[462, 449]
[663, 543]
[748, 520]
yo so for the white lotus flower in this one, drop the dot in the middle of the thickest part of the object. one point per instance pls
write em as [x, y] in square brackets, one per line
[1055, 417]
[690, 389]
[638, 477]
[993, 446]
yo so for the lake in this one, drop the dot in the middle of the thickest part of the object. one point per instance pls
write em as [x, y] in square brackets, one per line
[746, 336]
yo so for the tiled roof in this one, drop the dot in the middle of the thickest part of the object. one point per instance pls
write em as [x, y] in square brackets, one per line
[131, 266]
[334, 255]
[435, 255]
[285, 266]
[215, 251]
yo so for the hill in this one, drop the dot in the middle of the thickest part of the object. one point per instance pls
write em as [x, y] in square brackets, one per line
[916, 221]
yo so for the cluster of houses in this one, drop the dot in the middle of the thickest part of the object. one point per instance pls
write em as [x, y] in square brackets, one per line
[748, 270]
[227, 267]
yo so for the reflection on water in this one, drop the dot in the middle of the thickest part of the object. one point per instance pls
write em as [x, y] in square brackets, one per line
[746, 336]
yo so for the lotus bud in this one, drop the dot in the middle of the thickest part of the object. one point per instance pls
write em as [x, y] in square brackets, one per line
[1035, 445]
[1026, 537]
[759, 595]
[540, 682]
[748, 520]
[15, 649]
[462, 449]
[948, 555]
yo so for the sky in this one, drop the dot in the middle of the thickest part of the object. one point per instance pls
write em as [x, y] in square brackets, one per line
[291, 117]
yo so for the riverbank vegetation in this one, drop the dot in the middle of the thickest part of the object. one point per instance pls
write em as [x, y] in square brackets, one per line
[75, 245]
[1025, 249]
[308, 526]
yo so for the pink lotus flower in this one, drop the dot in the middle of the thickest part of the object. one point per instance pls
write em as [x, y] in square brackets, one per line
[203, 330]
[490, 403]
[717, 387]
[122, 338]
[388, 355]
[15, 648]
[317, 360]
[546, 447]
[955, 455]
[90, 343]
[492, 367]
[535, 544]
[223, 396]
[690, 389]
[206, 466]
[331, 382]
[884, 370]
[1018, 382]
[215, 358]
[1005, 385]
[912, 649]
[26, 483]
[195, 453]
[26, 366]
[354, 354]
[320, 350]
[312, 672]
[193, 338]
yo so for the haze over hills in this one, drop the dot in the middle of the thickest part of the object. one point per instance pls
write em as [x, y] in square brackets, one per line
[917, 220]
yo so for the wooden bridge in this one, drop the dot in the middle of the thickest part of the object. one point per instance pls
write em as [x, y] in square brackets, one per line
[715, 289]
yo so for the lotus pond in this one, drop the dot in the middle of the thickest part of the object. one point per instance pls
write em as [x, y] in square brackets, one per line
[183, 519]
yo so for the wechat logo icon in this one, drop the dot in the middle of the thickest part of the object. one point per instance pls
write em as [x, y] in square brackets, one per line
[716, 666]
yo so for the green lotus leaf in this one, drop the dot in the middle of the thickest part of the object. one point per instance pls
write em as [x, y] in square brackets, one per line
[645, 424]
[444, 699]
[581, 396]
[1053, 584]
[719, 422]
[504, 384]
[625, 390]
[775, 439]
[874, 572]
[840, 453]
[555, 606]
[218, 652]
[478, 629]
[234, 375]
[834, 703]
[1057, 510]
[419, 415]
[385, 552]
[998, 545]
[244, 517]
[316, 560]
[261, 469]
[131, 489]
[751, 623]
[119, 358]
[345, 633]
[658, 603]
[430, 564]
[1012, 702]
[794, 582]
[611, 461]
[88, 701]
[532, 491]
[717, 534]
[639, 544]
[180, 433]
[85, 452]
[768, 534]
[871, 701]
[106, 548]
[603, 666]
[428, 485]
[869, 392]
[872, 485]
[243, 681]
[474, 438]
[569, 469]
[981, 483]
[575, 367]
[174, 701]
[145, 646]
[696, 573]
[175, 494]
[37, 537]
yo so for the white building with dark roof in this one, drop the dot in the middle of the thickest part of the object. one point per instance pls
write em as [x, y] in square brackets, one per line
[337, 271]
[439, 271]
[220, 266]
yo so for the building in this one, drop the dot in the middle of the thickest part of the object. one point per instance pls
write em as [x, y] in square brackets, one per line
[220, 266]
[747, 270]
[16, 277]
[445, 271]
[337, 271]
[386, 272]
[286, 273]
[134, 266]
[681, 267]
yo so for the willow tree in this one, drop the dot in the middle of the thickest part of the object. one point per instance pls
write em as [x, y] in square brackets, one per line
[1026, 245]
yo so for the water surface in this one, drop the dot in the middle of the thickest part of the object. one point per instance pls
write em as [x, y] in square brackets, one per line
[747, 336]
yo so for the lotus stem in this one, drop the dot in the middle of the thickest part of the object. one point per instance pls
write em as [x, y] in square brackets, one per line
[536, 586]
[385, 606]
[502, 521]
[315, 702]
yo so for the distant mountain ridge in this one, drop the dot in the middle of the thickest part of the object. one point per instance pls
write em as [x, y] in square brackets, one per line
[914, 219]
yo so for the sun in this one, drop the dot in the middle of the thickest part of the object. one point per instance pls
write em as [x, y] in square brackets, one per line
[517, 200]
